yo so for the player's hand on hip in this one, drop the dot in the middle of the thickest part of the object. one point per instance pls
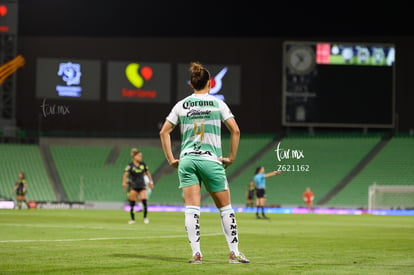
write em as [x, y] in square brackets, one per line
[174, 163]
[226, 161]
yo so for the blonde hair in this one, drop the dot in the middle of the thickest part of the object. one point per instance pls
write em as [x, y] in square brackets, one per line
[134, 151]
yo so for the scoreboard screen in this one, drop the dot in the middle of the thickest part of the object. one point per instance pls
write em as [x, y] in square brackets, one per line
[331, 84]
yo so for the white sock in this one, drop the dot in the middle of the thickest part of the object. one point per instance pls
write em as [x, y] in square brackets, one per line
[228, 222]
[192, 226]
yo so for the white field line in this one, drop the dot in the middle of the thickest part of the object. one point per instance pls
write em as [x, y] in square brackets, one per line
[105, 239]
[125, 227]
[128, 227]
[65, 226]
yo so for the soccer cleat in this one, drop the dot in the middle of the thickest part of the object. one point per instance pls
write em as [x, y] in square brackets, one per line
[241, 259]
[131, 222]
[146, 220]
[196, 259]
[265, 217]
[258, 217]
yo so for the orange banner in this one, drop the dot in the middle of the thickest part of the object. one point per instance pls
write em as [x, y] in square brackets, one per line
[10, 67]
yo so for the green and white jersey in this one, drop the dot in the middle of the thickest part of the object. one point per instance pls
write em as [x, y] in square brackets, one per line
[200, 117]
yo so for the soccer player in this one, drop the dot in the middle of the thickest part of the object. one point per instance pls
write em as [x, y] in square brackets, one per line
[250, 192]
[201, 161]
[20, 189]
[260, 180]
[308, 197]
[134, 179]
[149, 187]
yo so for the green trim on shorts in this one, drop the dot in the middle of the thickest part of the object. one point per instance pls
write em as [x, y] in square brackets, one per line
[193, 171]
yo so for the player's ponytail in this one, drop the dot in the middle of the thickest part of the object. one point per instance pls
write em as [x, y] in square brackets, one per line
[199, 76]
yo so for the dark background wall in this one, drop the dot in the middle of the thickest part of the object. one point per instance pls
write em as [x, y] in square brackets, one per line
[212, 33]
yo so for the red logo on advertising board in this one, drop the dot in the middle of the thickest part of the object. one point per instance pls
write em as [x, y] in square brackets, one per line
[137, 77]
[3, 10]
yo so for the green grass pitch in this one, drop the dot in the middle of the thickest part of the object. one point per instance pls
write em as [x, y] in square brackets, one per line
[102, 242]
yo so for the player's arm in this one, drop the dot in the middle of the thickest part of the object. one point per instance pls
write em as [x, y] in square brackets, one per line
[125, 180]
[273, 173]
[151, 181]
[234, 130]
[165, 136]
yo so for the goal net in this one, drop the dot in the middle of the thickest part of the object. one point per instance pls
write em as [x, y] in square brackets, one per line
[391, 197]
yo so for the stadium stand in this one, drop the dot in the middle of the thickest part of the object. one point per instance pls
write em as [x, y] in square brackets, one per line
[86, 176]
[27, 158]
[152, 156]
[166, 191]
[392, 166]
[81, 172]
[329, 159]
[93, 171]
[249, 147]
